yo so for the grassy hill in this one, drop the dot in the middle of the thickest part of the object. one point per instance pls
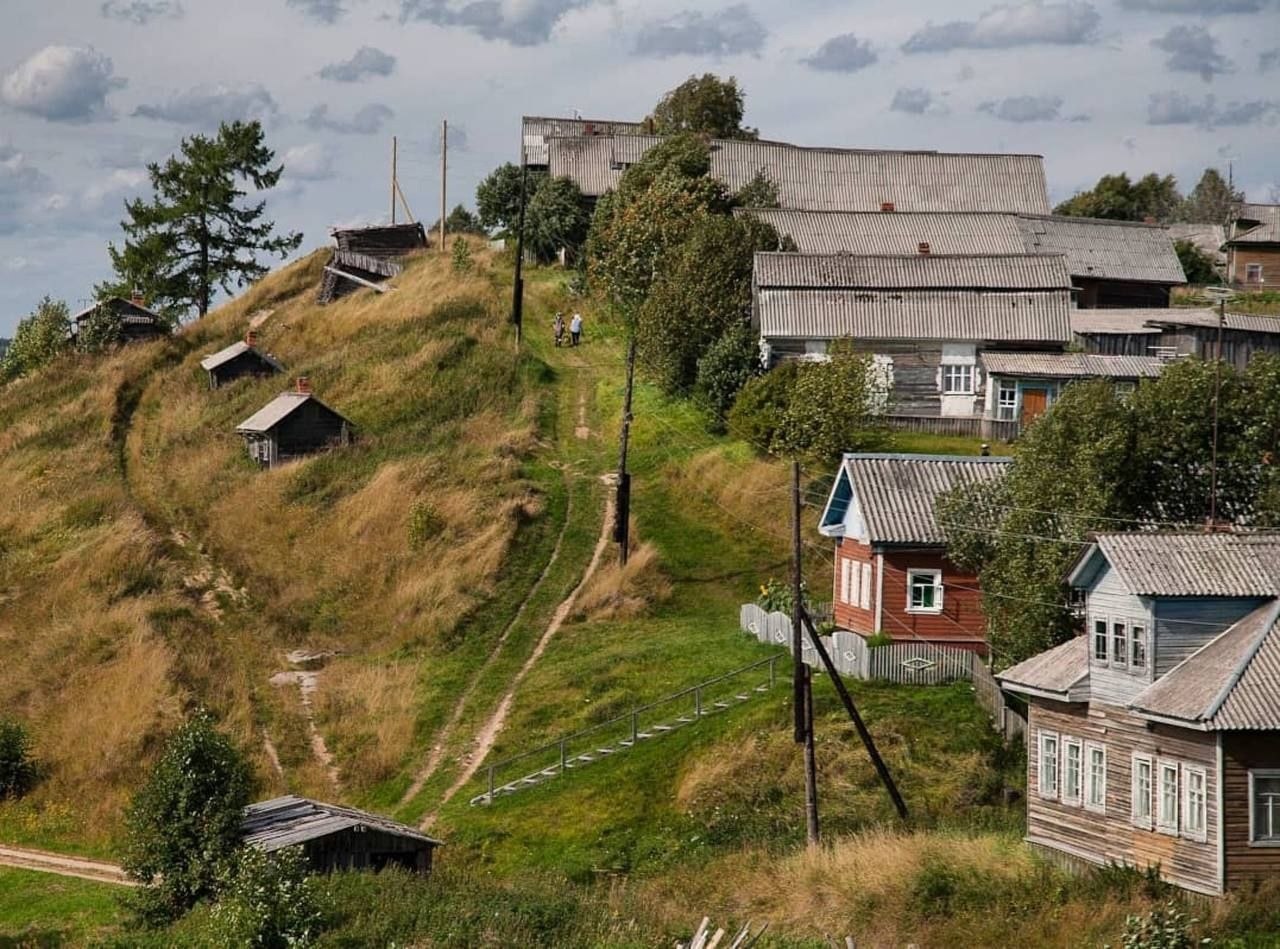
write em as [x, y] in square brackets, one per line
[371, 622]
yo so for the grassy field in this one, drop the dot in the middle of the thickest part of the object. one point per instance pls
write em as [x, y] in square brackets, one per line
[38, 909]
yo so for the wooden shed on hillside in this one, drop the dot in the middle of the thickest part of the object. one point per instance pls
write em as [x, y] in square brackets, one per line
[291, 425]
[137, 323]
[366, 257]
[336, 838]
[241, 358]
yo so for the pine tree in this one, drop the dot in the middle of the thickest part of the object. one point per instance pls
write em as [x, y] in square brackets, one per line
[196, 233]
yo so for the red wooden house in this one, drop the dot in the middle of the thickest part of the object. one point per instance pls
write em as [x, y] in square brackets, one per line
[892, 575]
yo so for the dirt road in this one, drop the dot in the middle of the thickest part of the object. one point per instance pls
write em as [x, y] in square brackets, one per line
[63, 865]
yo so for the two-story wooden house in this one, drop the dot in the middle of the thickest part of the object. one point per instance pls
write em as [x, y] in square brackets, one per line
[1253, 246]
[1154, 738]
[892, 575]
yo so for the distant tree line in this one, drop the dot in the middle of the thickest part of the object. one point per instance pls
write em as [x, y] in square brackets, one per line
[1157, 198]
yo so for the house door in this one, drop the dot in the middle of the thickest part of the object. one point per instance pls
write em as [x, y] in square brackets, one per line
[1034, 402]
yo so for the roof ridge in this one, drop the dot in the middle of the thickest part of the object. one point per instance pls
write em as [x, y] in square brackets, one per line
[919, 456]
[846, 255]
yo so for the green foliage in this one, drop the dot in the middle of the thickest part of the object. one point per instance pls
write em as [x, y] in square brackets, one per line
[879, 639]
[760, 192]
[728, 364]
[267, 900]
[1211, 201]
[38, 340]
[18, 770]
[196, 233]
[498, 196]
[702, 291]
[706, 104]
[556, 217]
[1165, 927]
[1196, 264]
[99, 331]
[1118, 198]
[184, 823]
[836, 406]
[779, 597]
[761, 406]
[459, 221]
[462, 262]
[424, 523]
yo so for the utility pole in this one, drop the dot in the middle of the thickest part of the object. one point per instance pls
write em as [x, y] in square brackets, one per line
[622, 510]
[395, 185]
[444, 175]
[1217, 389]
[802, 680]
[517, 289]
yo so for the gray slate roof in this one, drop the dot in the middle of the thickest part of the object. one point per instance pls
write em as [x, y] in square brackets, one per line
[1072, 365]
[277, 410]
[223, 356]
[1123, 322]
[1187, 563]
[1062, 670]
[289, 820]
[875, 232]
[830, 179]
[1107, 250]
[1232, 682]
[896, 492]
[536, 129]
[1244, 322]
[912, 271]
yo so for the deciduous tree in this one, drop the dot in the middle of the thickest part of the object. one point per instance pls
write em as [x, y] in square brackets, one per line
[706, 104]
[38, 340]
[1118, 198]
[1211, 201]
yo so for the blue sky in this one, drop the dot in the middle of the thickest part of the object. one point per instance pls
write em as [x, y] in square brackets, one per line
[90, 91]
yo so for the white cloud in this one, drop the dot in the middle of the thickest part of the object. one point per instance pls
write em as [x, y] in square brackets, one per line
[366, 62]
[61, 84]
[844, 53]
[1176, 108]
[121, 181]
[913, 101]
[1193, 49]
[310, 162]
[728, 32]
[518, 22]
[1072, 23]
[206, 106]
[1024, 108]
[141, 12]
[368, 120]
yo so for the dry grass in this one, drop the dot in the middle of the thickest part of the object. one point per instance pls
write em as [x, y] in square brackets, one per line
[370, 711]
[615, 592]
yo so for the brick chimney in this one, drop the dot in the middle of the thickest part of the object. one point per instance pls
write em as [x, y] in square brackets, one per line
[251, 338]
[886, 207]
[137, 298]
[923, 247]
[304, 385]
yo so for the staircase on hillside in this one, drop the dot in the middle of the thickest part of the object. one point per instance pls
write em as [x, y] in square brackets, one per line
[619, 734]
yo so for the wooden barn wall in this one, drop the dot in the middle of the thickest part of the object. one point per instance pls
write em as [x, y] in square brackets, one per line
[1241, 752]
[368, 850]
[1100, 838]
[961, 621]
[1118, 344]
[1268, 256]
[309, 428]
[847, 615]
[246, 364]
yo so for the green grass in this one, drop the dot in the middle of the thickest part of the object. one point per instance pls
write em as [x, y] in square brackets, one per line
[41, 909]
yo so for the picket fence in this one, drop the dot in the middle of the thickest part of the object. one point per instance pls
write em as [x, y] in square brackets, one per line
[911, 663]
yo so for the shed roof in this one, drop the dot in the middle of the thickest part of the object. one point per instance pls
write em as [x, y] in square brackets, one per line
[913, 271]
[1232, 682]
[876, 232]
[1072, 365]
[536, 129]
[1123, 322]
[289, 820]
[1062, 671]
[1191, 563]
[830, 179]
[277, 410]
[1208, 318]
[1257, 212]
[1103, 249]
[224, 356]
[134, 312]
[896, 492]
[1268, 233]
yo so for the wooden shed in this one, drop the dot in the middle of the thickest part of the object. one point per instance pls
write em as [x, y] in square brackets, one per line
[137, 323]
[242, 358]
[336, 838]
[291, 425]
[366, 257]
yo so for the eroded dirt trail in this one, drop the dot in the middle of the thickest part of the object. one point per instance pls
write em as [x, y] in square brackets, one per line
[62, 865]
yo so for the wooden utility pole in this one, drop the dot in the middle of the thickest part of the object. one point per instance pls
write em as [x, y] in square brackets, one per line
[1217, 391]
[802, 682]
[444, 175]
[517, 288]
[395, 185]
[622, 510]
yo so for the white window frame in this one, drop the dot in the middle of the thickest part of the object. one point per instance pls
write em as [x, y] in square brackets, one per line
[1090, 804]
[1043, 737]
[1200, 809]
[1006, 411]
[1119, 657]
[846, 570]
[1069, 794]
[1134, 629]
[1167, 823]
[936, 576]
[864, 601]
[965, 373]
[1271, 774]
[1106, 639]
[1253, 273]
[1135, 792]
[855, 583]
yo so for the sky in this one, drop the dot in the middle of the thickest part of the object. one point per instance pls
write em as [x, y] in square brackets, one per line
[93, 90]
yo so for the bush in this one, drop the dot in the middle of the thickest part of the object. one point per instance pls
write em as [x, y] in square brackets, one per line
[18, 771]
[184, 824]
[835, 406]
[267, 899]
[728, 364]
[761, 406]
[38, 340]
[462, 262]
[1165, 927]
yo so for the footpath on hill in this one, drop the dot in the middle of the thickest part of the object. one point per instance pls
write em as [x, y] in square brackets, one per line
[62, 865]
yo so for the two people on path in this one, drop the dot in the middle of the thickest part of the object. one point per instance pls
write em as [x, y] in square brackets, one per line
[575, 329]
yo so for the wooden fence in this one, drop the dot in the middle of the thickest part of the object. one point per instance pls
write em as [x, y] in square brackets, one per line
[910, 663]
[994, 429]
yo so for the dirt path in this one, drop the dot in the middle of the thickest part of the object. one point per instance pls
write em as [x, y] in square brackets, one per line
[488, 734]
[62, 865]
[446, 734]
[307, 682]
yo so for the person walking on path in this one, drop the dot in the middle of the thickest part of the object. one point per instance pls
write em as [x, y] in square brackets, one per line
[575, 329]
[558, 329]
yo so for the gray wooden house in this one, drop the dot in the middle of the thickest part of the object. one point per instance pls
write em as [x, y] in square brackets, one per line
[536, 130]
[926, 319]
[137, 323]
[1253, 246]
[1154, 738]
[1022, 386]
[1175, 332]
[291, 425]
[336, 838]
[240, 359]
[1111, 263]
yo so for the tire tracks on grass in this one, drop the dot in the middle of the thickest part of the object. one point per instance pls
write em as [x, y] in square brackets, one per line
[62, 865]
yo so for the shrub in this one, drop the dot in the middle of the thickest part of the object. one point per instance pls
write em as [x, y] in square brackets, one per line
[761, 405]
[18, 772]
[38, 340]
[835, 406]
[728, 364]
[424, 523]
[267, 899]
[462, 262]
[184, 824]
[777, 597]
[1165, 927]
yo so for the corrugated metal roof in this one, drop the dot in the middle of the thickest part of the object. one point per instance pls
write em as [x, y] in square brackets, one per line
[830, 179]
[1268, 233]
[1063, 670]
[289, 820]
[1108, 250]
[1245, 322]
[896, 492]
[277, 410]
[1232, 682]
[1072, 365]
[911, 271]
[1186, 563]
[222, 356]
[536, 129]
[1121, 322]
[875, 232]
[1257, 212]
